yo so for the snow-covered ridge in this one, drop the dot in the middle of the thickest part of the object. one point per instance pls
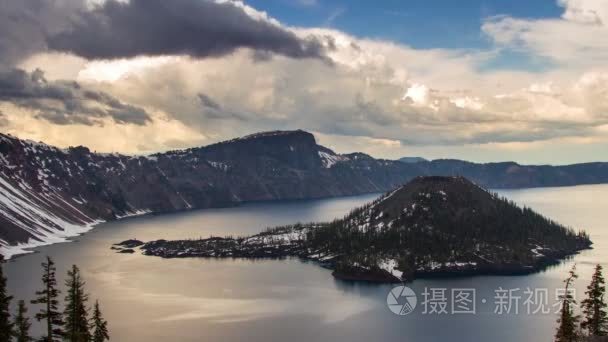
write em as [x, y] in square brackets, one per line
[30, 145]
[43, 193]
[38, 215]
[48, 194]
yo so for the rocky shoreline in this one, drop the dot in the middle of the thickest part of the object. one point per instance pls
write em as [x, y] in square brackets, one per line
[431, 227]
[239, 248]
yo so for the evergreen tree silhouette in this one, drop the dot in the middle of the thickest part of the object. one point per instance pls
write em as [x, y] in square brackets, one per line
[48, 297]
[99, 325]
[76, 313]
[22, 324]
[568, 322]
[6, 326]
[594, 307]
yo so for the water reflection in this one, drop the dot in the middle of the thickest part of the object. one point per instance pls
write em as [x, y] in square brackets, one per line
[153, 299]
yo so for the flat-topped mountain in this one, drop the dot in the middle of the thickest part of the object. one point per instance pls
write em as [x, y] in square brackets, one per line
[430, 226]
[48, 194]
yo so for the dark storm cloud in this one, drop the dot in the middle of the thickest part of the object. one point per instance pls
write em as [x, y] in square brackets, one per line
[25, 24]
[198, 28]
[65, 102]
[20, 34]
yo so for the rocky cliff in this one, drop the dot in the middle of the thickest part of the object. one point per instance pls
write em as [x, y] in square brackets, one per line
[48, 194]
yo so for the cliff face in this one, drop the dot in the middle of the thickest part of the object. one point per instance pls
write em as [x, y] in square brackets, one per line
[48, 194]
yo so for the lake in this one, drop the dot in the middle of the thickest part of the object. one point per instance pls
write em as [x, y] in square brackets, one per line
[152, 299]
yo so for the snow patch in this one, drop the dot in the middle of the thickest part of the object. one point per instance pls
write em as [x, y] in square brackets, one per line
[30, 212]
[390, 265]
[330, 160]
[133, 213]
[219, 165]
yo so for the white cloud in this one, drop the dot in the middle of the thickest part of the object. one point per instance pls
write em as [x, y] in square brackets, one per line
[418, 94]
[546, 88]
[586, 11]
[467, 102]
[111, 71]
[574, 41]
[252, 12]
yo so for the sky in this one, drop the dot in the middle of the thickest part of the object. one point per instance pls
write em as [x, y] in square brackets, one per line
[481, 80]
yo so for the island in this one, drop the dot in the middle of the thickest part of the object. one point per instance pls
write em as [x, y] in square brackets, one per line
[431, 226]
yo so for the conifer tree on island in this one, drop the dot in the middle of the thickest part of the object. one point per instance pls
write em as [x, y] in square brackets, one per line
[48, 297]
[99, 325]
[568, 322]
[22, 324]
[6, 326]
[594, 307]
[76, 313]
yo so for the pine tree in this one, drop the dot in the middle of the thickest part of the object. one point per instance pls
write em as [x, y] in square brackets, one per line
[568, 322]
[48, 297]
[594, 307]
[76, 313]
[6, 326]
[99, 325]
[22, 324]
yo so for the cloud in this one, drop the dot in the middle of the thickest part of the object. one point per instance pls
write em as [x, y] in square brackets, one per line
[65, 102]
[382, 93]
[593, 12]
[592, 90]
[371, 96]
[197, 28]
[25, 25]
[3, 120]
[208, 102]
[572, 41]
[212, 110]
[160, 134]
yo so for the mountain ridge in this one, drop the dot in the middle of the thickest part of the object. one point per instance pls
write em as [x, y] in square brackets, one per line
[50, 194]
[62, 192]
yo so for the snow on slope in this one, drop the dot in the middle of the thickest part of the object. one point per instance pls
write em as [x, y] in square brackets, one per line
[33, 213]
[390, 266]
[330, 160]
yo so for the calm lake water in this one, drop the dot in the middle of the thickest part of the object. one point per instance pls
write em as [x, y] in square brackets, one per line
[151, 299]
